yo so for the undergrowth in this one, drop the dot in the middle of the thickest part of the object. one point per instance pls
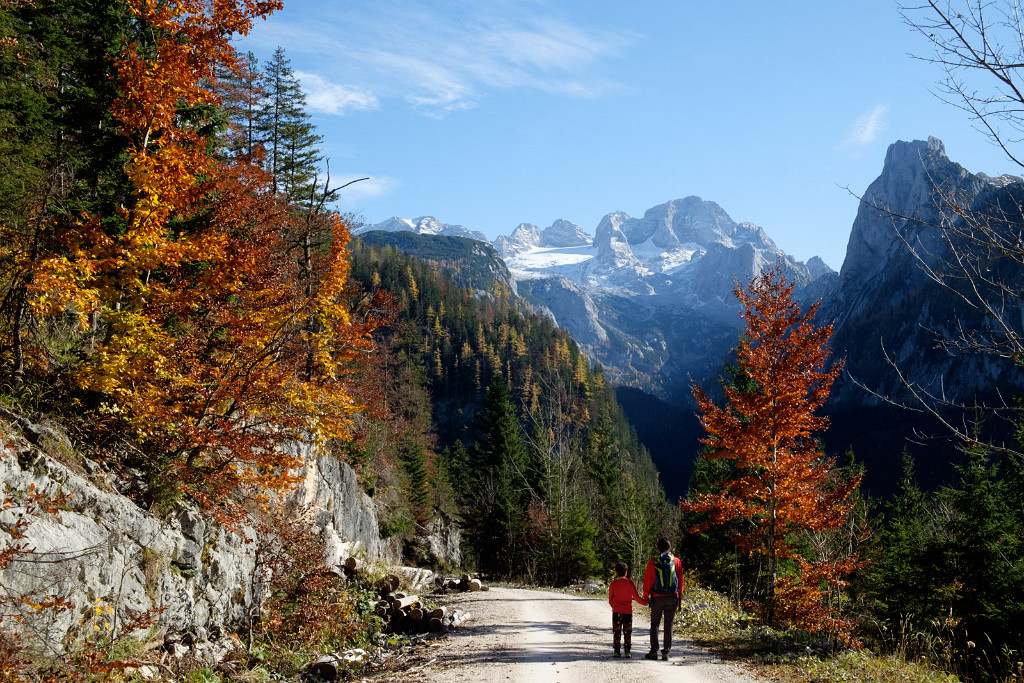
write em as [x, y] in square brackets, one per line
[707, 618]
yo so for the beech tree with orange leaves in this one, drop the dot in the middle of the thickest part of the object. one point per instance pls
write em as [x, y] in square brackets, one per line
[783, 486]
[212, 336]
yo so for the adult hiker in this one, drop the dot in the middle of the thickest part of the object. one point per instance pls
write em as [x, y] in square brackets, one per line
[663, 590]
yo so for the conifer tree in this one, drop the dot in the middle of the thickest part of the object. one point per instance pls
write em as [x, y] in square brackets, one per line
[241, 93]
[503, 462]
[291, 144]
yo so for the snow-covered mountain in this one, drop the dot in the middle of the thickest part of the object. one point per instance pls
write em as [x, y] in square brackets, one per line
[650, 298]
[687, 247]
[424, 225]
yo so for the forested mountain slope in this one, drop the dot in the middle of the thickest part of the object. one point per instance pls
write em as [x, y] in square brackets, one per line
[495, 412]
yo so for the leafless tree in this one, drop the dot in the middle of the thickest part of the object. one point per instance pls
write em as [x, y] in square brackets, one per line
[979, 45]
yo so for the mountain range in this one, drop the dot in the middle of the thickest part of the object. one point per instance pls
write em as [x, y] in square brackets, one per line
[650, 299]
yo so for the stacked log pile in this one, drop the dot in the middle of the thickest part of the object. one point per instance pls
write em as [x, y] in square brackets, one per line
[404, 612]
[463, 583]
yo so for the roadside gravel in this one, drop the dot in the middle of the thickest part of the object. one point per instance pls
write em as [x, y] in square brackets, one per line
[546, 637]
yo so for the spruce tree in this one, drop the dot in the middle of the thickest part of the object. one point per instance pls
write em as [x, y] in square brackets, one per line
[414, 462]
[289, 138]
[503, 462]
[909, 570]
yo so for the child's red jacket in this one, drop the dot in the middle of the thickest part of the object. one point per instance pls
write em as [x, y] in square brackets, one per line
[621, 594]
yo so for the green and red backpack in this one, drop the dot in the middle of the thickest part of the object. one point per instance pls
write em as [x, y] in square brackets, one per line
[665, 580]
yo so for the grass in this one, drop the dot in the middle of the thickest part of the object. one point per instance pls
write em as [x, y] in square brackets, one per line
[790, 656]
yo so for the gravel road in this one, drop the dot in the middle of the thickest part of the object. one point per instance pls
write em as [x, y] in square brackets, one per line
[545, 637]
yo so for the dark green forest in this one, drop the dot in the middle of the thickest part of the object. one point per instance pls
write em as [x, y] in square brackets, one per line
[497, 418]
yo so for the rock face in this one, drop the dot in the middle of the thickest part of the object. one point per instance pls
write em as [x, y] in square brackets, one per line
[883, 299]
[650, 298]
[905, 187]
[101, 550]
[883, 304]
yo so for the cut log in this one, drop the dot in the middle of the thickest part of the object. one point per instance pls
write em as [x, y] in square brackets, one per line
[436, 625]
[353, 564]
[439, 613]
[407, 601]
[475, 584]
[415, 614]
[326, 667]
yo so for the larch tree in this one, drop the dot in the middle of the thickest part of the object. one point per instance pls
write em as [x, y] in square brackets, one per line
[783, 485]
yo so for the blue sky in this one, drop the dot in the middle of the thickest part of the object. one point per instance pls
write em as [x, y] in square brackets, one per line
[492, 113]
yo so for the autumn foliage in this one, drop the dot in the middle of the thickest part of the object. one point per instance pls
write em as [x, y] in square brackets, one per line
[206, 334]
[783, 487]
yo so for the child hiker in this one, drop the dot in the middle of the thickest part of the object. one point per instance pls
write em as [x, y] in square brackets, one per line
[621, 594]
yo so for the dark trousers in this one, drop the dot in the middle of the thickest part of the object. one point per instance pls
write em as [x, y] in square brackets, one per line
[662, 606]
[622, 630]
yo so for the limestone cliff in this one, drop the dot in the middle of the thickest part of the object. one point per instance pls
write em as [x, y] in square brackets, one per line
[102, 549]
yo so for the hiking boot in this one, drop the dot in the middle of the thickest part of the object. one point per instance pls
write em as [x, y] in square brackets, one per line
[651, 655]
[664, 656]
[619, 654]
[628, 656]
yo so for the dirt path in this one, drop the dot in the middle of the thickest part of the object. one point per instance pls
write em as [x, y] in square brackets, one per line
[544, 637]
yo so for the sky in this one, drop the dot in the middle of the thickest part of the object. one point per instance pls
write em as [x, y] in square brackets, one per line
[492, 113]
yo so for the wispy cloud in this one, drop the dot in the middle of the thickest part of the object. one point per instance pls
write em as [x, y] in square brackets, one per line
[444, 57]
[333, 98]
[372, 187]
[866, 128]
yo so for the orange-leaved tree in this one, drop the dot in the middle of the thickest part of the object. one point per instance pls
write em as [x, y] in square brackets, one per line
[782, 484]
[211, 341]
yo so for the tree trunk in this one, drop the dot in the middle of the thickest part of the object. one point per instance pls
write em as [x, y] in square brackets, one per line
[18, 365]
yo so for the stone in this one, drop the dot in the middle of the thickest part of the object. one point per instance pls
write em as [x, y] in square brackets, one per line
[109, 551]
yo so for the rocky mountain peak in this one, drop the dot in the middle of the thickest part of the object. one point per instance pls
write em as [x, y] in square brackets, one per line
[563, 233]
[526, 236]
[906, 187]
[424, 225]
[817, 267]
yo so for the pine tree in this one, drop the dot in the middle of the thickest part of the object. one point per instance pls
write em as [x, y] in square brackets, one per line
[290, 142]
[503, 461]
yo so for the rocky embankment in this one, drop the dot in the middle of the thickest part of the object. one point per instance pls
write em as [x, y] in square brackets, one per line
[111, 560]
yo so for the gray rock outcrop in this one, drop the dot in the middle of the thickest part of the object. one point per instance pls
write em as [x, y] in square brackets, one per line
[112, 559]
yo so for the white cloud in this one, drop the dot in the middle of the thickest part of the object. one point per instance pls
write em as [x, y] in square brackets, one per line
[332, 98]
[446, 57]
[866, 128]
[370, 188]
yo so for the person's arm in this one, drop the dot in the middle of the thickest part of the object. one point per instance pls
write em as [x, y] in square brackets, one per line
[648, 579]
[636, 596]
[679, 573]
[611, 593]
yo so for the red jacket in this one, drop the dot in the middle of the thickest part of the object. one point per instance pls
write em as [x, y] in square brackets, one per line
[621, 594]
[649, 578]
